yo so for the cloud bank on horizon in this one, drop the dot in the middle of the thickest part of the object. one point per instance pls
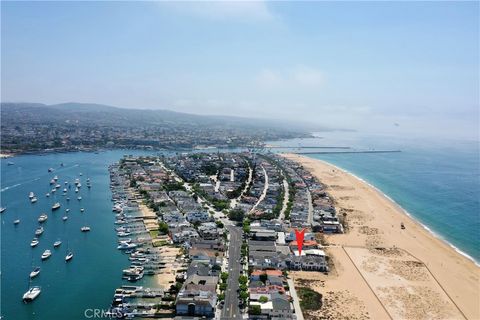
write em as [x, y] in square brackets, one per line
[407, 68]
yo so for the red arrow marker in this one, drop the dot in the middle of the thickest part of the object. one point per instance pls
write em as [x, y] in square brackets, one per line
[299, 235]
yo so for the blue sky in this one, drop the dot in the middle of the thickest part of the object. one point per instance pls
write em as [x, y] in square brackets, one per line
[359, 65]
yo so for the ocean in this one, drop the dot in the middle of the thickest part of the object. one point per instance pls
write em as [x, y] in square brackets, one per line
[438, 183]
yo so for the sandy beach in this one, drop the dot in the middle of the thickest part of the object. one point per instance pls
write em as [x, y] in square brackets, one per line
[381, 271]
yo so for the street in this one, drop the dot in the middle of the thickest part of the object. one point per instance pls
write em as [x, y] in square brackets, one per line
[231, 309]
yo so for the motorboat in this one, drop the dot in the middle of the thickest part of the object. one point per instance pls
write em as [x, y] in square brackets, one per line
[126, 246]
[69, 256]
[67, 210]
[31, 195]
[50, 169]
[35, 272]
[39, 231]
[81, 209]
[2, 209]
[64, 218]
[56, 206]
[15, 222]
[46, 254]
[58, 186]
[65, 190]
[57, 244]
[47, 195]
[52, 181]
[33, 200]
[31, 294]
[55, 178]
[43, 217]
[76, 190]
[79, 198]
[85, 229]
[34, 242]
[133, 274]
[68, 199]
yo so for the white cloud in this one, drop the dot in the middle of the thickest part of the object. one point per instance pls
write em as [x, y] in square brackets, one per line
[307, 76]
[244, 10]
[294, 77]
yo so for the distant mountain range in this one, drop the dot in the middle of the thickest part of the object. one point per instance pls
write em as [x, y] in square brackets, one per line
[87, 114]
[34, 127]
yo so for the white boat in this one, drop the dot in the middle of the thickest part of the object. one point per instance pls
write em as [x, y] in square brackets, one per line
[50, 169]
[66, 182]
[31, 195]
[15, 222]
[77, 181]
[52, 181]
[58, 186]
[76, 190]
[79, 185]
[69, 256]
[79, 198]
[53, 190]
[34, 242]
[56, 206]
[81, 209]
[55, 178]
[64, 218]
[33, 200]
[47, 195]
[81, 174]
[43, 217]
[31, 294]
[46, 254]
[67, 210]
[35, 272]
[2, 209]
[126, 246]
[57, 244]
[65, 190]
[85, 229]
[68, 199]
[39, 231]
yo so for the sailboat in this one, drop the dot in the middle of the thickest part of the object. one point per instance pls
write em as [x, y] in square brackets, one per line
[69, 256]
[34, 272]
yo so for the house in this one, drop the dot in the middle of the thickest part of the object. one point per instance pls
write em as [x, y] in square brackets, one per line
[197, 297]
[197, 216]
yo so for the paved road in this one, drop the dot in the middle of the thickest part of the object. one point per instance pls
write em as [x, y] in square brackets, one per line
[231, 309]
[310, 207]
[264, 193]
[296, 301]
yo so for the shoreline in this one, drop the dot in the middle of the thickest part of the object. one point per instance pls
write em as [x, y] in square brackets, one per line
[431, 274]
[408, 214]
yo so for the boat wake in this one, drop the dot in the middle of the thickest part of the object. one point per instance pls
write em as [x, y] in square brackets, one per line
[18, 184]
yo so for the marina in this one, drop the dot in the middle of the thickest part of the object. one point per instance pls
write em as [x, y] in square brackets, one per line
[71, 251]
